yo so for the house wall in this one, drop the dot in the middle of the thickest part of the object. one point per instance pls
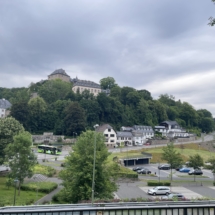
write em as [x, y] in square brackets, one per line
[59, 76]
[2, 112]
[110, 137]
[128, 140]
[95, 91]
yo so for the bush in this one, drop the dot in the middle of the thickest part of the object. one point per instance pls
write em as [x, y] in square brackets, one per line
[44, 170]
[214, 183]
[127, 175]
[45, 187]
[157, 183]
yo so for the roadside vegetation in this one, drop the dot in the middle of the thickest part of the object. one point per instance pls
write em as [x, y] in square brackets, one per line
[7, 195]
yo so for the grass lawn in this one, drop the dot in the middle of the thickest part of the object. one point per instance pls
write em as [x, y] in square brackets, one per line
[191, 176]
[188, 149]
[25, 198]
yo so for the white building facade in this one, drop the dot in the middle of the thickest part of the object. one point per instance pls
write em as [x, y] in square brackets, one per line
[4, 106]
[109, 134]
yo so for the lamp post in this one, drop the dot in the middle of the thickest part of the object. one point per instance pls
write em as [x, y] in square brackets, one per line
[15, 184]
[94, 163]
[75, 136]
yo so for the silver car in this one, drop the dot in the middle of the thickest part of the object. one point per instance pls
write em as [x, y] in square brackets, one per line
[161, 190]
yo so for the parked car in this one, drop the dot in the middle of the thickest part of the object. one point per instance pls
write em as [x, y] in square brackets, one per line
[176, 196]
[147, 144]
[137, 168]
[159, 190]
[185, 169]
[144, 171]
[164, 166]
[179, 167]
[195, 172]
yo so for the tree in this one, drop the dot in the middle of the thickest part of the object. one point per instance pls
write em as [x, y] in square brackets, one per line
[171, 156]
[37, 107]
[212, 20]
[195, 161]
[20, 157]
[74, 120]
[107, 83]
[20, 112]
[9, 127]
[78, 172]
[212, 166]
[54, 90]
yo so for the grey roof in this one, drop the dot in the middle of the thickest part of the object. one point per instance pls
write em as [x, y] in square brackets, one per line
[103, 127]
[126, 128]
[59, 71]
[123, 134]
[142, 127]
[84, 83]
[4, 104]
[170, 122]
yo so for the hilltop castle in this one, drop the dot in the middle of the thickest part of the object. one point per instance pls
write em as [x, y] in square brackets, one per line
[78, 85]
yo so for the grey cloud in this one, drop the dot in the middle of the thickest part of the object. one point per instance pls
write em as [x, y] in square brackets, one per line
[139, 43]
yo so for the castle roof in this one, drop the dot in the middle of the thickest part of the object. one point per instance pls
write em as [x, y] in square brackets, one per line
[4, 104]
[84, 83]
[59, 71]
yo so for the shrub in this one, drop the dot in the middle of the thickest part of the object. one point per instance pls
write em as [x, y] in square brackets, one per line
[45, 187]
[44, 170]
[157, 183]
[127, 175]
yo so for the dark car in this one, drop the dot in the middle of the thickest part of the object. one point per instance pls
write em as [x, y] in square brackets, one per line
[144, 171]
[195, 172]
[164, 166]
[137, 168]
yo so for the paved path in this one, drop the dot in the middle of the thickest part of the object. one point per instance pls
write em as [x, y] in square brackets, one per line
[48, 197]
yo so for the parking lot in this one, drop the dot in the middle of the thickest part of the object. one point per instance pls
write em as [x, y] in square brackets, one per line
[207, 174]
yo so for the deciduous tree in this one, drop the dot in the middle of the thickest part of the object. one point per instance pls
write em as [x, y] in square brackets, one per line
[195, 161]
[20, 157]
[107, 83]
[78, 173]
[9, 127]
[74, 120]
[172, 157]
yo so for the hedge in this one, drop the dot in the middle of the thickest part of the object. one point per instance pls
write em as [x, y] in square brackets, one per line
[157, 183]
[127, 175]
[45, 187]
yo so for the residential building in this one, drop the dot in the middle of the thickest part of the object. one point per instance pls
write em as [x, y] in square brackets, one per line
[141, 133]
[109, 134]
[59, 74]
[4, 106]
[124, 138]
[171, 129]
[81, 85]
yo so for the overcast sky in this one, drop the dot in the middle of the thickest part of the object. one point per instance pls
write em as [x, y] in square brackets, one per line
[163, 46]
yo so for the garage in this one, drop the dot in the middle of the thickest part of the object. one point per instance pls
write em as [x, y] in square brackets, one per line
[143, 159]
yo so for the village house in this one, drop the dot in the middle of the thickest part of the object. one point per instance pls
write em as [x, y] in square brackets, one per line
[109, 134]
[171, 129]
[4, 106]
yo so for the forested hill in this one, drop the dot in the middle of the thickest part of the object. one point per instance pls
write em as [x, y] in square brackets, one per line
[60, 110]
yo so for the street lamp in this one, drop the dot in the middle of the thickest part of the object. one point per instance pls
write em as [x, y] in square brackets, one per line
[94, 163]
[15, 184]
[75, 136]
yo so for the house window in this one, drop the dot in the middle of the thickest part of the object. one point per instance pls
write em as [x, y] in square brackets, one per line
[109, 130]
[122, 138]
[112, 141]
[112, 135]
[106, 135]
